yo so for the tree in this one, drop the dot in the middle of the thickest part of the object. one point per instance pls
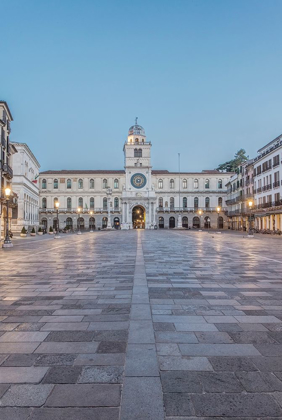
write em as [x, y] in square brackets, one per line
[233, 164]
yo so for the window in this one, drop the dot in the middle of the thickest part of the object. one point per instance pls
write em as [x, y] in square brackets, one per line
[196, 202]
[171, 202]
[69, 183]
[116, 184]
[69, 223]
[160, 184]
[171, 183]
[92, 203]
[276, 160]
[137, 152]
[207, 183]
[44, 184]
[184, 183]
[105, 183]
[207, 202]
[105, 203]
[219, 184]
[91, 184]
[44, 203]
[136, 141]
[80, 184]
[185, 202]
[69, 203]
[161, 222]
[80, 202]
[161, 202]
[196, 184]
[185, 222]
[56, 184]
[219, 201]
[55, 201]
[116, 203]
[171, 222]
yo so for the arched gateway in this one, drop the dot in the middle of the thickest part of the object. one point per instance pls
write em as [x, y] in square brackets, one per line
[138, 217]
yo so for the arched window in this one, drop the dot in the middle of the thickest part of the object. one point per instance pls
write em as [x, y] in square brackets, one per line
[160, 184]
[105, 203]
[219, 202]
[105, 183]
[219, 184]
[91, 184]
[196, 222]
[171, 183]
[80, 202]
[137, 152]
[196, 202]
[171, 202]
[196, 184]
[44, 184]
[44, 203]
[104, 222]
[161, 202]
[166, 204]
[184, 183]
[161, 222]
[55, 201]
[116, 203]
[92, 222]
[92, 203]
[116, 184]
[136, 141]
[185, 202]
[220, 222]
[69, 183]
[69, 223]
[172, 222]
[207, 222]
[69, 203]
[56, 184]
[80, 184]
[207, 183]
[185, 222]
[207, 202]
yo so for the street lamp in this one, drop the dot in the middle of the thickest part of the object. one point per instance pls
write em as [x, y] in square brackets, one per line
[91, 229]
[57, 205]
[250, 233]
[218, 211]
[200, 214]
[78, 220]
[7, 241]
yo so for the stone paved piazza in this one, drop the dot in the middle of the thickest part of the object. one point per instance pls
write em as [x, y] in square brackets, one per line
[141, 325]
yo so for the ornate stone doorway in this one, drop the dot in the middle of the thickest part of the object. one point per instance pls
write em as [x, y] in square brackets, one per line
[138, 217]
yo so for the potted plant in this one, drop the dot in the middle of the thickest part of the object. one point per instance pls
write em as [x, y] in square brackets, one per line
[33, 233]
[23, 232]
[40, 231]
[51, 230]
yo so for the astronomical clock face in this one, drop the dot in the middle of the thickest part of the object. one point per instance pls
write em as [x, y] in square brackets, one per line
[138, 180]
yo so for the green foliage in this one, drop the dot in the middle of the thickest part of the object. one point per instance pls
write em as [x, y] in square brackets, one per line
[50, 229]
[23, 230]
[233, 164]
[33, 230]
[39, 229]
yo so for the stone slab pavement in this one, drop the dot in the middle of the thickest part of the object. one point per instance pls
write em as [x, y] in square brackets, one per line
[146, 325]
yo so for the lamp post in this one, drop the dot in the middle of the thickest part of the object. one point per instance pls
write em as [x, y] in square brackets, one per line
[109, 194]
[250, 232]
[91, 229]
[78, 221]
[7, 241]
[200, 214]
[57, 236]
[218, 211]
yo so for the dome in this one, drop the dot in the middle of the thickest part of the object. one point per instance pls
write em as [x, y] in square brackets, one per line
[136, 129]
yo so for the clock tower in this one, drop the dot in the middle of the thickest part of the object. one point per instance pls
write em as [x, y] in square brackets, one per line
[138, 196]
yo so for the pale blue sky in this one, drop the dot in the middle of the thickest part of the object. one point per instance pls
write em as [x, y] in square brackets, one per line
[204, 78]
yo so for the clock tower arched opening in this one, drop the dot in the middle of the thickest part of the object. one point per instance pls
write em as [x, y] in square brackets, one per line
[138, 217]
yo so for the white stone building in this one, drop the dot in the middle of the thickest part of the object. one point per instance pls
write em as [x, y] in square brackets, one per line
[267, 186]
[139, 198]
[25, 185]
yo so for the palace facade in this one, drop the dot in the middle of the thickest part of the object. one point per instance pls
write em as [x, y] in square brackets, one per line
[136, 197]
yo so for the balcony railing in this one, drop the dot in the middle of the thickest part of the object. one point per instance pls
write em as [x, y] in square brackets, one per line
[276, 184]
[189, 209]
[84, 211]
[266, 187]
[7, 170]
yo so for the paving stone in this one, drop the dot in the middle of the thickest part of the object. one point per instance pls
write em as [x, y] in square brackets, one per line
[65, 326]
[14, 413]
[6, 348]
[178, 381]
[55, 360]
[115, 335]
[20, 360]
[73, 414]
[26, 395]
[163, 326]
[142, 399]
[141, 332]
[102, 374]
[213, 337]
[108, 326]
[3, 389]
[21, 374]
[232, 364]
[180, 363]
[62, 375]
[18, 337]
[195, 327]
[70, 336]
[175, 337]
[220, 382]
[106, 359]
[252, 327]
[70, 347]
[141, 360]
[85, 395]
[257, 319]
[111, 347]
[259, 381]
[178, 404]
[168, 349]
[229, 327]
[236, 405]
[218, 350]
[269, 349]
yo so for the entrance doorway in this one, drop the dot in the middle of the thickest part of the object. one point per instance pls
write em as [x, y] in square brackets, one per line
[138, 217]
[116, 223]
